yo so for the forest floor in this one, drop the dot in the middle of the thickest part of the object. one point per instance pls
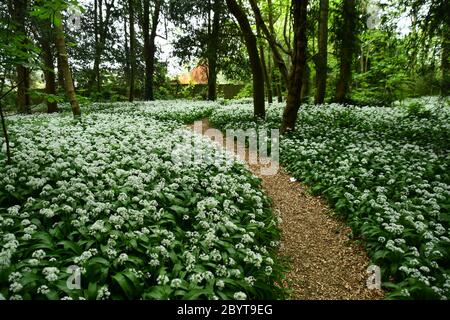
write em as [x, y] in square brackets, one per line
[325, 263]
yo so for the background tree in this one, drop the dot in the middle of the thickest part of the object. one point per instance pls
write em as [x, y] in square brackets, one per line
[209, 37]
[19, 12]
[322, 55]
[299, 59]
[213, 47]
[131, 5]
[43, 34]
[255, 61]
[347, 41]
[101, 33]
[149, 44]
[64, 60]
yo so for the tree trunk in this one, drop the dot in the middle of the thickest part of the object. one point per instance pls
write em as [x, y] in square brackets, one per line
[2, 119]
[279, 61]
[321, 64]
[96, 69]
[61, 85]
[23, 97]
[445, 63]
[298, 66]
[132, 49]
[127, 55]
[266, 74]
[279, 92]
[49, 68]
[255, 61]
[19, 12]
[64, 61]
[269, 79]
[346, 51]
[305, 85]
[275, 77]
[101, 27]
[149, 46]
[212, 52]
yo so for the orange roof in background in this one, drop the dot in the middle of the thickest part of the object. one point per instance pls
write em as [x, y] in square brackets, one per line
[198, 75]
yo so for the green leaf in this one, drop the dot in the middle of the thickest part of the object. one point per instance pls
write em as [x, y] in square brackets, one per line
[197, 293]
[99, 260]
[92, 291]
[124, 284]
[157, 293]
[179, 210]
[71, 245]
[29, 278]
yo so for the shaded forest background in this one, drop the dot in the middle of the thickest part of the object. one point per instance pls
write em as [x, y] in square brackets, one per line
[360, 52]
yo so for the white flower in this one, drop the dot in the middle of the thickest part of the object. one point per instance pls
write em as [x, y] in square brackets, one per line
[51, 273]
[15, 276]
[220, 284]
[250, 280]
[240, 296]
[123, 257]
[103, 293]
[14, 210]
[122, 197]
[39, 254]
[162, 279]
[175, 283]
[15, 287]
[43, 289]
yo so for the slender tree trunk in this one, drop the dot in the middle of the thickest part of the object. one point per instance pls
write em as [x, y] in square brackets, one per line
[279, 61]
[445, 63]
[212, 51]
[147, 51]
[267, 78]
[321, 64]
[23, 97]
[298, 66]
[265, 72]
[5, 134]
[2, 117]
[255, 61]
[96, 68]
[305, 85]
[101, 27]
[19, 13]
[100, 44]
[61, 85]
[346, 51]
[279, 92]
[274, 76]
[127, 54]
[149, 46]
[64, 61]
[414, 36]
[132, 49]
[49, 68]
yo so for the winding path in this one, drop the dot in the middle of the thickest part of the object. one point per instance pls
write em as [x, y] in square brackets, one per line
[325, 263]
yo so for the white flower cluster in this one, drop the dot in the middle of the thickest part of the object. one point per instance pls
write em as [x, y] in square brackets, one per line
[387, 169]
[105, 194]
